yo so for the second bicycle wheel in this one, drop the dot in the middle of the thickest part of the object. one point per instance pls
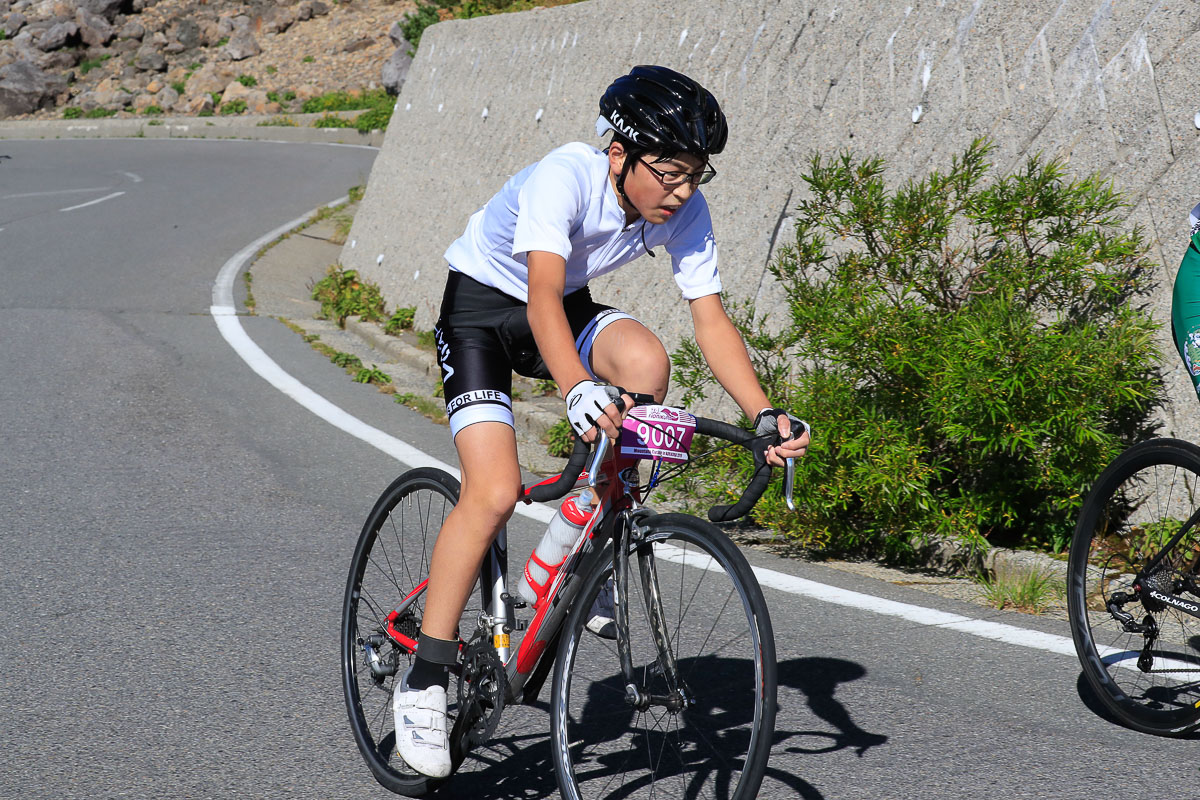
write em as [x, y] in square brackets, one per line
[719, 636]
[391, 562]
[1129, 601]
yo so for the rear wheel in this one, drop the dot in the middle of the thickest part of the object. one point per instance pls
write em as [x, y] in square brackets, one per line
[390, 563]
[709, 731]
[1130, 587]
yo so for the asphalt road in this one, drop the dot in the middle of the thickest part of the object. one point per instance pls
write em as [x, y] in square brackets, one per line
[174, 535]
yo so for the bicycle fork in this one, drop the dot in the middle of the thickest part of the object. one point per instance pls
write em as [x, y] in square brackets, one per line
[631, 533]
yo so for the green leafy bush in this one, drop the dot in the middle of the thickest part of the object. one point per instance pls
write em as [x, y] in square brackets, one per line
[349, 101]
[73, 112]
[376, 119]
[970, 348]
[237, 106]
[401, 320]
[343, 295]
[560, 439]
[332, 121]
[247, 80]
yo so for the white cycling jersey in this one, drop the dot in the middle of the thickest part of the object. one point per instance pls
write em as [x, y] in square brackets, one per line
[565, 204]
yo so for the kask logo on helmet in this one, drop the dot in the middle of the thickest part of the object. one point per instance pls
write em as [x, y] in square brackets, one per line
[624, 127]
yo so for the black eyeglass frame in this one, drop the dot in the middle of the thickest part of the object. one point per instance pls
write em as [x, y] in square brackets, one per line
[694, 178]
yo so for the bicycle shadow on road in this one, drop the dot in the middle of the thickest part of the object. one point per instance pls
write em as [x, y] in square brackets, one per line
[517, 762]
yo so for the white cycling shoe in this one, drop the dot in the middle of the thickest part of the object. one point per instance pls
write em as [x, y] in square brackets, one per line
[421, 736]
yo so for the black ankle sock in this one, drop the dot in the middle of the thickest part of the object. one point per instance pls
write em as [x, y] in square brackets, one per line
[426, 673]
[431, 666]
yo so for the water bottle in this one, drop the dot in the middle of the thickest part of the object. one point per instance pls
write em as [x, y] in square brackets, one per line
[546, 559]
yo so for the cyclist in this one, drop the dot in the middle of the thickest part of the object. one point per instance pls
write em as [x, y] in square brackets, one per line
[516, 299]
[1185, 303]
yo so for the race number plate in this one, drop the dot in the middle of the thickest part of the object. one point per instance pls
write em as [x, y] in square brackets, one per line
[651, 432]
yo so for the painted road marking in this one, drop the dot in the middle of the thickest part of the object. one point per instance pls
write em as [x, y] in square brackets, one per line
[93, 202]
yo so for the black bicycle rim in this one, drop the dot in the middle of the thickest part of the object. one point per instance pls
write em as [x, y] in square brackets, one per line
[1150, 683]
[720, 632]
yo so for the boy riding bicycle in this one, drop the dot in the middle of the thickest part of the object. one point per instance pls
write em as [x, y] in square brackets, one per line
[516, 299]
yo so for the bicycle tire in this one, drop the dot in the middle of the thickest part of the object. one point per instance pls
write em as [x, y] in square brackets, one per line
[719, 744]
[390, 560]
[1137, 504]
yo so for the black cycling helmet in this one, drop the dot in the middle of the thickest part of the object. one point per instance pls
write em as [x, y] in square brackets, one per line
[658, 109]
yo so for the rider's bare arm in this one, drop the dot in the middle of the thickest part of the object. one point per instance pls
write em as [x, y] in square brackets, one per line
[551, 331]
[726, 355]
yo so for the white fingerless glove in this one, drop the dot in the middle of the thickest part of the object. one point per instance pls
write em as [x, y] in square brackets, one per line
[767, 422]
[586, 403]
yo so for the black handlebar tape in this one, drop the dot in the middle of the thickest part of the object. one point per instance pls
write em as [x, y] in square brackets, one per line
[762, 472]
[566, 481]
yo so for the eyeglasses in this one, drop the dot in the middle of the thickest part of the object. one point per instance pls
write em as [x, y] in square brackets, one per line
[677, 178]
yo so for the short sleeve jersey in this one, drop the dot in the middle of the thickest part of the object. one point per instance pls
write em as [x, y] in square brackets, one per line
[565, 204]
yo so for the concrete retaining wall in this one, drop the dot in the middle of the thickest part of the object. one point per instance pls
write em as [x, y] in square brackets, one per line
[1111, 86]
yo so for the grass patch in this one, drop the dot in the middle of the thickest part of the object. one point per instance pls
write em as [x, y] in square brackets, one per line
[332, 121]
[372, 375]
[247, 80]
[342, 294]
[559, 439]
[401, 320]
[423, 405]
[1025, 589]
[87, 65]
[279, 122]
[100, 113]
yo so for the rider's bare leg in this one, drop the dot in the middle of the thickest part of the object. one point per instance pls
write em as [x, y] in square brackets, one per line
[626, 353]
[491, 481]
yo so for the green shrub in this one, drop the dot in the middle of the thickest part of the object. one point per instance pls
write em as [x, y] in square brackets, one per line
[346, 101]
[374, 120]
[401, 320]
[247, 81]
[971, 350]
[332, 121]
[74, 112]
[343, 295]
[237, 106]
[151, 110]
[560, 439]
[372, 375]
[100, 113]
[414, 23]
[180, 87]
[278, 122]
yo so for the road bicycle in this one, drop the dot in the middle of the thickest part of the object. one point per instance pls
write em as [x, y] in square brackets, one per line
[1133, 590]
[681, 704]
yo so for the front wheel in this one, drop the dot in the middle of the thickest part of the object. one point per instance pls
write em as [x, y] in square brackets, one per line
[1132, 583]
[712, 672]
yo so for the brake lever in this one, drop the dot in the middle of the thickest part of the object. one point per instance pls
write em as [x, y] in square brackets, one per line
[789, 480]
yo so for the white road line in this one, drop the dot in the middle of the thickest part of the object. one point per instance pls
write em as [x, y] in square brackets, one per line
[55, 192]
[225, 314]
[93, 202]
[132, 177]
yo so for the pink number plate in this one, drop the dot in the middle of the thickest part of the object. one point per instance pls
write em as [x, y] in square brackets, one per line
[651, 432]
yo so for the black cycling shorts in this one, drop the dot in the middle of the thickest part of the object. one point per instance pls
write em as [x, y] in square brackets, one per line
[483, 336]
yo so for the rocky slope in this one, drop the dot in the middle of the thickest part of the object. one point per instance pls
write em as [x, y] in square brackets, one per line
[132, 57]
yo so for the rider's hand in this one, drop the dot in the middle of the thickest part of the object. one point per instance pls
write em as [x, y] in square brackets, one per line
[592, 405]
[793, 432]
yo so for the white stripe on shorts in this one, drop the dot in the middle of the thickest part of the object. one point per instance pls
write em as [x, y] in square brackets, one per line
[588, 338]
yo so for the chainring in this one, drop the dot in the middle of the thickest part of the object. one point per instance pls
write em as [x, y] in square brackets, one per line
[481, 691]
